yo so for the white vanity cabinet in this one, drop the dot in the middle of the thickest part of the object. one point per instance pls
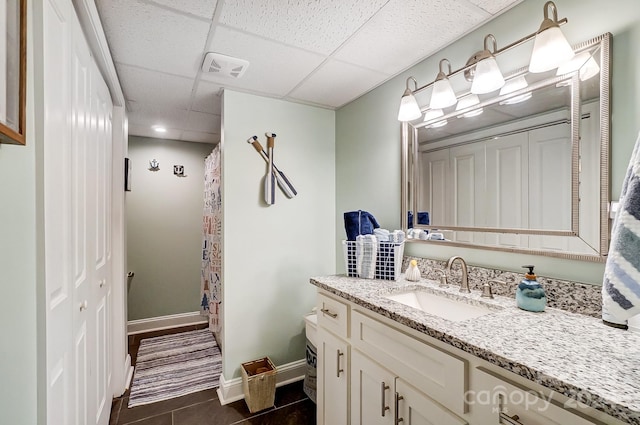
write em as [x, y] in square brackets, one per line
[373, 370]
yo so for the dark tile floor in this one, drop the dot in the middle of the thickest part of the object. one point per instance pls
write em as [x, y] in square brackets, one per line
[292, 406]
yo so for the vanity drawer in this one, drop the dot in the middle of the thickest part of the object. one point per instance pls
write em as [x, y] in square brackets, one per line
[333, 315]
[504, 401]
[436, 373]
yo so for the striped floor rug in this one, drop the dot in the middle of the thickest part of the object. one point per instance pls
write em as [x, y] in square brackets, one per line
[174, 365]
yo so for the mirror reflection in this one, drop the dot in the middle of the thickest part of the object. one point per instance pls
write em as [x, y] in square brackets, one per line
[518, 169]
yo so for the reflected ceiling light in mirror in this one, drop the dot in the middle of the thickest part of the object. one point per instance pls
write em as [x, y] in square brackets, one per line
[550, 47]
[512, 85]
[467, 102]
[486, 76]
[409, 109]
[584, 62]
[442, 95]
[432, 114]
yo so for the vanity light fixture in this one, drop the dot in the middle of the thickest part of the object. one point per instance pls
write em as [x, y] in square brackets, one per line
[512, 85]
[467, 102]
[487, 76]
[550, 48]
[409, 109]
[483, 71]
[584, 62]
[443, 95]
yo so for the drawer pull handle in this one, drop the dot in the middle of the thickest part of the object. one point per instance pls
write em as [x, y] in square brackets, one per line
[398, 418]
[383, 407]
[506, 419]
[329, 313]
[509, 420]
[83, 305]
[338, 370]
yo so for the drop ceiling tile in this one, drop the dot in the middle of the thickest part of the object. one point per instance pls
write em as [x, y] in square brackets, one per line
[273, 68]
[199, 121]
[207, 98]
[148, 114]
[337, 83]
[153, 37]
[495, 6]
[196, 136]
[201, 8]
[164, 90]
[406, 31]
[145, 131]
[318, 26]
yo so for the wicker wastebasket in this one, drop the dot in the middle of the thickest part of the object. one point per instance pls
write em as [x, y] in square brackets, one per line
[259, 384]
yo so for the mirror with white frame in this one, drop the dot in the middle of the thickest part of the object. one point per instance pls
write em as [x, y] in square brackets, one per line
[525, 171]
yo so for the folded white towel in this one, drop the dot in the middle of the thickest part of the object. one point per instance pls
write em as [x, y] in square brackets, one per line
[397, 236]
[366, 253]
[621, 285]
[381, 234]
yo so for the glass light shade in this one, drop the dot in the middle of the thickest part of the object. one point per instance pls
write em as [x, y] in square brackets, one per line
[442, 95]
[550, 49]
[409, 109]
[432, 114]
[487, 77]
[467, 102]
[584, 62]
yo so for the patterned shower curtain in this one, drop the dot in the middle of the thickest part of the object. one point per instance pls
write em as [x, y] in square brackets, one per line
[211, 279]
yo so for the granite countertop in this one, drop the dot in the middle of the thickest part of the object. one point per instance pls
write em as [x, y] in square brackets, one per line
[573, 354]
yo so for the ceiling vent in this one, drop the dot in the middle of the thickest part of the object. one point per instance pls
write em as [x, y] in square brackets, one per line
[224, 65]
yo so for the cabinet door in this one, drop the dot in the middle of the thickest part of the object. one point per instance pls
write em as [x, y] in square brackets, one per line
[333, 379]
[372, 392]
[415, 408]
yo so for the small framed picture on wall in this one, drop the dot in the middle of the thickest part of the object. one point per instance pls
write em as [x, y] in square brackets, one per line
[127, 174]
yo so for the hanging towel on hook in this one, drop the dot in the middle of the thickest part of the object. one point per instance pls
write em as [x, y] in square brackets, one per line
[621, 283]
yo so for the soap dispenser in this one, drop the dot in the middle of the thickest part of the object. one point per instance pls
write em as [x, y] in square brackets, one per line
[530, 294]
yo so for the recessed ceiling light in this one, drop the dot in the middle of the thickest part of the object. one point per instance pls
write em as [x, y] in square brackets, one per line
[159, 129]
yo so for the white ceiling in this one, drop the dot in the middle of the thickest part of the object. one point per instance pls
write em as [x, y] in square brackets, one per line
[319, 52]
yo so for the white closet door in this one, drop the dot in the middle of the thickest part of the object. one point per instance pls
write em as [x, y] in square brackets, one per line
[468, 190]
[60, 277]
[550, 187]
[100, 143]
[434, 184]
[77, 171]
[507, 188]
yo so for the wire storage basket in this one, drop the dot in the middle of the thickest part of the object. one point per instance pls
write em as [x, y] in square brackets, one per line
[373, 260]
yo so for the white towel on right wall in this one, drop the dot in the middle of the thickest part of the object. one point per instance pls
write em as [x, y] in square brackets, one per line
[621, 283]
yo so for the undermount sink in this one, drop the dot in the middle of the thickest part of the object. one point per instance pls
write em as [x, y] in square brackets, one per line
[439, 305]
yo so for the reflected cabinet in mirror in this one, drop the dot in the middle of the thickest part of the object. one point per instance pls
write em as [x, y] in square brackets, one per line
[524, 169]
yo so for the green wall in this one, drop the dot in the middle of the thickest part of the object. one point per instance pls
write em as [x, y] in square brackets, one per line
[368, 133]
[269, 252]
[19, 303]
[164, 227]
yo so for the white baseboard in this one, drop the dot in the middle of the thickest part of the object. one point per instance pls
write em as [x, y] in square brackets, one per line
[231, 390]
[165, 322]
